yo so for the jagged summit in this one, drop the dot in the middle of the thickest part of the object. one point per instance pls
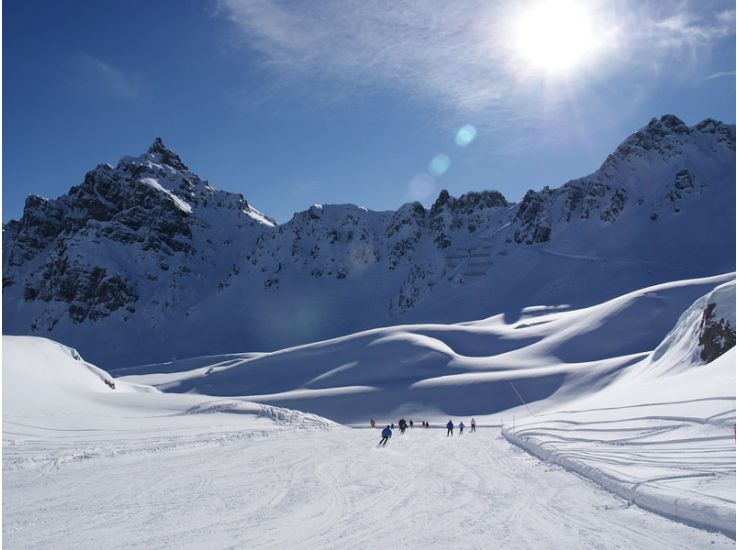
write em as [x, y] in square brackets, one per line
[665, 135]
[671, 122]
[166, 155]
[158, 146]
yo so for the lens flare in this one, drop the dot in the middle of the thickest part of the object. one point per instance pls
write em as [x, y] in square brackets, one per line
[421, 187]
[439, 165]
[465, 135]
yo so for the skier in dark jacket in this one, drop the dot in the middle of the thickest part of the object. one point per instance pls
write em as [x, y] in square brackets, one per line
[386, 434]
[450, 428]
[461, 428]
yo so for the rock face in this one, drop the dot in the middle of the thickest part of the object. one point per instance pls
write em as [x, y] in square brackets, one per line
[145, 261]
[717, 334]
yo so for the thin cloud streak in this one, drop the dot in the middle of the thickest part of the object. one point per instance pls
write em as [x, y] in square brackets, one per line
[720, 74]
[96, 75]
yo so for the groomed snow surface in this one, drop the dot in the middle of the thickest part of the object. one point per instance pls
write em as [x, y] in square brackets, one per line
[625, 417]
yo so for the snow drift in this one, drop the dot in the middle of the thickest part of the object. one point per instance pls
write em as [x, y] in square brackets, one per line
[439, 370]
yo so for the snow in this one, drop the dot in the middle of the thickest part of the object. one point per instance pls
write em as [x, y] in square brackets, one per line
[48, 389]
[182, 205]
[327, 489]
[439, 370]
[621, 430]
[590, 378]
[664, 445]
[621, 436]
[254, 214]
[661, 435]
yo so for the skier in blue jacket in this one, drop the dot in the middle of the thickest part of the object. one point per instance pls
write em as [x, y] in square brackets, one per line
[450, 428]
[386, 434]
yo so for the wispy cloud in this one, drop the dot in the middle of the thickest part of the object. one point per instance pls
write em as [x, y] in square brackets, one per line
[453, 54]
[95, 75]
[721, 74]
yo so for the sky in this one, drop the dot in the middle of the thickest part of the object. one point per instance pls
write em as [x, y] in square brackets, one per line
[370, 102]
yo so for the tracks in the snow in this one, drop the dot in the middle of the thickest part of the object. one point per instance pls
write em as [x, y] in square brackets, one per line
[329, 489]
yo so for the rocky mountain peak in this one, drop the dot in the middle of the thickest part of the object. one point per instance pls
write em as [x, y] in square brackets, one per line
[667, 123]
[165, 155]
[658, 135]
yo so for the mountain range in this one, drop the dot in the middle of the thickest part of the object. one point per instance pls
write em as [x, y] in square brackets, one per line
[149, 253]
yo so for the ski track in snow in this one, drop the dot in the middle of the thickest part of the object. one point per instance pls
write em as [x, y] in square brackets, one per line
[322, 489]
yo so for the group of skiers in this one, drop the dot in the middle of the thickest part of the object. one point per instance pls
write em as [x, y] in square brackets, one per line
[403, 425]
[450, 427]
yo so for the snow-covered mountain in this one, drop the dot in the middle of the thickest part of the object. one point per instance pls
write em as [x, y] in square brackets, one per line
[147, 252]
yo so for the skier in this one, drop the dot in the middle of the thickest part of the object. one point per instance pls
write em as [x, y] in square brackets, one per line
[393, 425]
[474, 425]
[372, 423]
[386, 434]
[411, 423]
[450, 428]
[461, 427]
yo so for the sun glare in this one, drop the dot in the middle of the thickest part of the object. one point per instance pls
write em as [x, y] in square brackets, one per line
[556, 37]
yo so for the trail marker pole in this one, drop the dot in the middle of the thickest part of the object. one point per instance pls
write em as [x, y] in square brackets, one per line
[521, 399]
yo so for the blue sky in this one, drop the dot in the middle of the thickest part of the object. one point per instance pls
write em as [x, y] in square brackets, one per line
[295, 103]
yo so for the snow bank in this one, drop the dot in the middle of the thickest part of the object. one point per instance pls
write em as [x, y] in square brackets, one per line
[661, 435]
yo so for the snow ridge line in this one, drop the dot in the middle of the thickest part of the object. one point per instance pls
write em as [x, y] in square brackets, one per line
[685, 510]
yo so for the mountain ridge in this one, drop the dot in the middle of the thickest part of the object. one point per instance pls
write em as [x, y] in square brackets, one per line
[149, 248]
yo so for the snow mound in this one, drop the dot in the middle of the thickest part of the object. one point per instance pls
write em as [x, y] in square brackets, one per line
[278, 415]
[51, 394]
[43, 377]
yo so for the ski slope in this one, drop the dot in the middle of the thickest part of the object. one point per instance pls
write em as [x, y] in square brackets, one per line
[325, 489]
[621, 433]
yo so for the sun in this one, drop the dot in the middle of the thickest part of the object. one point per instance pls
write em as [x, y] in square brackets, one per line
[554, 36]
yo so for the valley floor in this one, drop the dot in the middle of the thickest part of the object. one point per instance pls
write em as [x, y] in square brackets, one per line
[328, 488]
